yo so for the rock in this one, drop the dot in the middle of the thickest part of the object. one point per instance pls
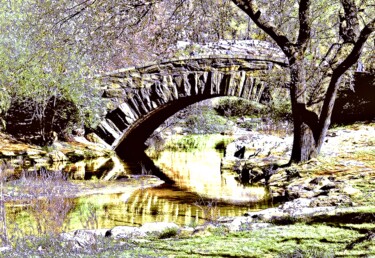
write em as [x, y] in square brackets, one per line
[116, 171]
[204, 230]
[157, 227]
[6, 153]
[290, 211]
[83, 238]
[351, 191]
[35, 153]
[76, 155]
[235, 149]
[238, 223]
[185, 231]
[77, 170]
[331, 200]
[114, 93]
[5, 248]
[296, 204]
[78, 131]
[125, 232]
[245, 223]
[94, 138]
[56, 156]
[266, 215]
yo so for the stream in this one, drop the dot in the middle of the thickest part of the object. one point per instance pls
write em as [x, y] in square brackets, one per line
[195, 191]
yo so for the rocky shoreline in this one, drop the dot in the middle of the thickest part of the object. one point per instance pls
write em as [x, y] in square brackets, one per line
[346, 161]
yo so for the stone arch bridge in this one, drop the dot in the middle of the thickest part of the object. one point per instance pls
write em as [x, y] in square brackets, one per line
[139, 99]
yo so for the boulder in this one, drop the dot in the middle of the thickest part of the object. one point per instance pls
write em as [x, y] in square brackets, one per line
[204, 230]
[56, 156]
[94, 138]
[125, 232]
[157, 227]
[83, 238]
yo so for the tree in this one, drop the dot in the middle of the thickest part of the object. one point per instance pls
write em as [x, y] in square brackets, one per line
[45, 85]
[322, 41]
[115, 34]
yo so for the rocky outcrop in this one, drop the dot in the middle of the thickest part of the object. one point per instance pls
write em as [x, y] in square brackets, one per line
[331, 180]
[85, 238]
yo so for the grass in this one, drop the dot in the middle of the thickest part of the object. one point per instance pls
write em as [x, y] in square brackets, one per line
[194, 142]
[297, 240]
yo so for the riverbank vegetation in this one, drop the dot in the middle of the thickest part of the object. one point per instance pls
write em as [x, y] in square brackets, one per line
[300, 239]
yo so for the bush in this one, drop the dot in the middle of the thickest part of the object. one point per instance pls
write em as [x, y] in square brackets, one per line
[34, 122]
[279, 107]
[205, 123]
[232, 106]
[168, 233]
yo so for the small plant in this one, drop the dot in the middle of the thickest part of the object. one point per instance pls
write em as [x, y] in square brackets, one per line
[50, 214]
[234, 107]
[89, 216]
[168, 233]
[210, 210]
[4, 241]
[313, 252]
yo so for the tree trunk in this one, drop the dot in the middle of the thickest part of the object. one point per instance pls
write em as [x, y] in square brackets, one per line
[304, 143]
[304, 121]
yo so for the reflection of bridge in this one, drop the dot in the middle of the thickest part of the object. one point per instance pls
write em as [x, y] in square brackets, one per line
[141, 98]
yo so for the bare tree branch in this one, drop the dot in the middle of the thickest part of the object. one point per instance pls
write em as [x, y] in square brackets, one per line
[250, 8]
[304, 27]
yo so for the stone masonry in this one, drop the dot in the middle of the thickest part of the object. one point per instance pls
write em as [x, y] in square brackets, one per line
[139, 99]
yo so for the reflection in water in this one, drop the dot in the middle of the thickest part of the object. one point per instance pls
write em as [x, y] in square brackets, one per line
[150, 205]
[194, 191]
[199, 172]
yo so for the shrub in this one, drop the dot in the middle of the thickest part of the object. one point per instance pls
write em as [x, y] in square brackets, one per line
[279, 107]
[168, 233]
[204, 120]
[34, 122]
[232, 106]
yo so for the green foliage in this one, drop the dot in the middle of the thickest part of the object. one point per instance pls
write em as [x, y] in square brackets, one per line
[186, 143]
[205, 124]
[308, 253]
[36, 72]
[168, 233]
[223, 143]
[204, 120]
[234, 107]
[279, 109]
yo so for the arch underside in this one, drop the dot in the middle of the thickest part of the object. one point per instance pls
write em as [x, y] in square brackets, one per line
[142, 99]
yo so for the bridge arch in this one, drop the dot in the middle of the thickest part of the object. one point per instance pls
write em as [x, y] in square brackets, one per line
[141, 98]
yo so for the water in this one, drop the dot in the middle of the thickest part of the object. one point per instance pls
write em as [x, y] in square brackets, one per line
[195, 191]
